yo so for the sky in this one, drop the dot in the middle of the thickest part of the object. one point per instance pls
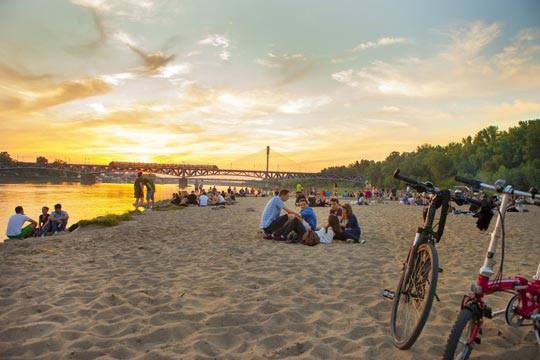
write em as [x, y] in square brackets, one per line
[323, 83]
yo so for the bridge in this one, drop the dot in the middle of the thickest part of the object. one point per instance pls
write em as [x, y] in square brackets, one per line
[88, 172]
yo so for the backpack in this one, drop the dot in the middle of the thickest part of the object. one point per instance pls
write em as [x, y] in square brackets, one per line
[310, 238]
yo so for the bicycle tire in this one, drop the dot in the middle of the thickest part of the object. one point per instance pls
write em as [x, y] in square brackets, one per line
[460, 344]
[406, 321]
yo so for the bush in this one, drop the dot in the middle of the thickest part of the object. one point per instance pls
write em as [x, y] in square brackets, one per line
[107, 220]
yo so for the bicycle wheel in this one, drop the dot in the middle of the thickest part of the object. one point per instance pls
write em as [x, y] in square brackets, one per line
[413, 300]
[462, 338]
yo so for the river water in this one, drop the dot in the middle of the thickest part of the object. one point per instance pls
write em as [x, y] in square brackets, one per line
[80, 201]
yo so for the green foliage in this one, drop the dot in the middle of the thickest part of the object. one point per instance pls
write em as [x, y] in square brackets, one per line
[491, 154]
[41, 160]
[5, 158]
[107, 220]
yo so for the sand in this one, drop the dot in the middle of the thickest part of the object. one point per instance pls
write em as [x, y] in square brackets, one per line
[201, 283]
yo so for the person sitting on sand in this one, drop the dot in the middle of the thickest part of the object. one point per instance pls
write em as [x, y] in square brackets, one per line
[219, 199]
[321, 199]
[335, 209]
[43, 222]
[328, 232]
[16, 221]
[58, 219]
[349, 225]
[312, 199]
[299, 224]
[179, 200]
[270, 218]
[203, 199]
[192, 199]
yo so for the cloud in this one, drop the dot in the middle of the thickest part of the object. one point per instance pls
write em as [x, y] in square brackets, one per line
[17, 75]
[287, 68]
[464, 67]
[304, 105]
[468, 42]
[380, 42]
[216, 40]
[132, 9]
[61, 93]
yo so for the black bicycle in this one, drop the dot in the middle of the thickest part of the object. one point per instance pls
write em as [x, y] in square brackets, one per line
[416, 288]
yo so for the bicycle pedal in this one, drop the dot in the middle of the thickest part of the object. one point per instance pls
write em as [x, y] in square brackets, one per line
[478, 340]
[488, 312]
[440, 270]
[437, 297]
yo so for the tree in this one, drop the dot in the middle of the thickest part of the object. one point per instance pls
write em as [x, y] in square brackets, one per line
[5, 158]
[41, 160]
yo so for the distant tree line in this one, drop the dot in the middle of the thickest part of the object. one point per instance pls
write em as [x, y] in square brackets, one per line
[491, 154]
[5, 158]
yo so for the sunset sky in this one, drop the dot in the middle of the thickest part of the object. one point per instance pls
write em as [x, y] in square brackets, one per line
[323, 83]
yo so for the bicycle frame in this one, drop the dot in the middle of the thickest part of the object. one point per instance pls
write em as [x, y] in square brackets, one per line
[425, 234]
[417, 284]
[528, 291]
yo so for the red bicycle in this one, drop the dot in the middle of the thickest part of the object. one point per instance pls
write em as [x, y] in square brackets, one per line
[523, 307]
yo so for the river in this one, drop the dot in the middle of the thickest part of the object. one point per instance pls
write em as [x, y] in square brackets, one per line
[80, 201]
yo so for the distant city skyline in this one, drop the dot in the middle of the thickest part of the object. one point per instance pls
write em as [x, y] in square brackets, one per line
[322, 83]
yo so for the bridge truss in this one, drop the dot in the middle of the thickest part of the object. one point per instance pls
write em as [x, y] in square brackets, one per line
[178, 171]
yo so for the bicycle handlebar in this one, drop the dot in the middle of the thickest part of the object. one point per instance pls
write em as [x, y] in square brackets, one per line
[498, 187]
[417, 185]
[428, 187]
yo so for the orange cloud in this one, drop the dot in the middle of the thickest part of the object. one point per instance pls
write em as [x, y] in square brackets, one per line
[64, 92]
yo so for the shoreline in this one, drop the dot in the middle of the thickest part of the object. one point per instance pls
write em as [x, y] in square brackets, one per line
[202, 283]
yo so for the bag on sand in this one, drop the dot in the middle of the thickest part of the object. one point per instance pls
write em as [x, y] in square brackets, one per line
[310, 238]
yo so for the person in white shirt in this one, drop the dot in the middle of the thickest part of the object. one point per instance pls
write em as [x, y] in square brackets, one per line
[332, 228]
[16, 221]
[203, 199]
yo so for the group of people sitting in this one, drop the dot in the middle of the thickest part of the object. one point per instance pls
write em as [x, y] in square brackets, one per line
[212, 198]
[341, 225]
[47, 224]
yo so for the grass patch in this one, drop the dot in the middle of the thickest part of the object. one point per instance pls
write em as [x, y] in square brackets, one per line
[107, 220]
[169, 206]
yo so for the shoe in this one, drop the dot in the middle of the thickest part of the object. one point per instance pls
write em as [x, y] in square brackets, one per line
[280, 238]
[268, 236]
[362, 241]
[42, 236]
[55, 233]
[350, 241]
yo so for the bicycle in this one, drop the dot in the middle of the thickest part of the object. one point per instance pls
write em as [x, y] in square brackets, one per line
[524, 305]
[416, 288]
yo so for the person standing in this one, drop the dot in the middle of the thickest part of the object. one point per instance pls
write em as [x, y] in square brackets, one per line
[270, 217]
[15, 229]
[58, 219]
[138, 188]
[150, 191]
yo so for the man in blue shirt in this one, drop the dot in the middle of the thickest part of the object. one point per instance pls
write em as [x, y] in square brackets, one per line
[58, 219]
[307, 220]
[270, 218]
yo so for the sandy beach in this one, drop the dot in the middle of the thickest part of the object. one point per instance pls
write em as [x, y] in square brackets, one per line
[201, 283]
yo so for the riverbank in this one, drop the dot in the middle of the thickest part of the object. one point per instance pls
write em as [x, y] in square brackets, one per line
[202, 283]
